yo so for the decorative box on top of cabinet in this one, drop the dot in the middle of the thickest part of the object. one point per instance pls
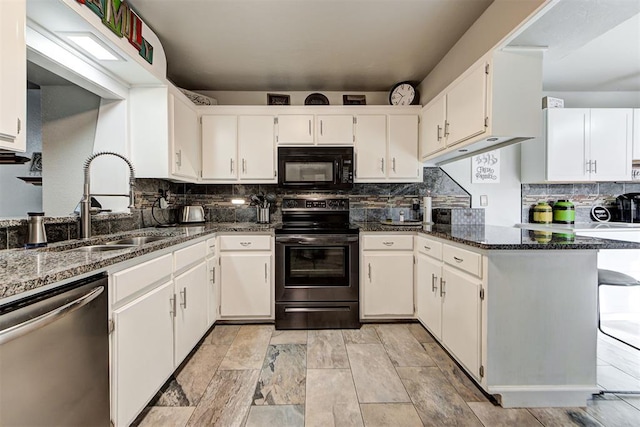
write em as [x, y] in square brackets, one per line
[581, 144]
[13, 75]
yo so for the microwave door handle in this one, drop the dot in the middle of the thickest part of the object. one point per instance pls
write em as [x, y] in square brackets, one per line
[337, 173]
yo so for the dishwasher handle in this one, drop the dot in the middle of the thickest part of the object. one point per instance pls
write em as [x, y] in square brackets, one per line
[24, 328]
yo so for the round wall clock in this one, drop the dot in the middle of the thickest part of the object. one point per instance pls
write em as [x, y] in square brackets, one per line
[404, 93]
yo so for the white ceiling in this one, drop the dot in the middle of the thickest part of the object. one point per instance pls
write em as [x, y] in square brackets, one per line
[270, 45]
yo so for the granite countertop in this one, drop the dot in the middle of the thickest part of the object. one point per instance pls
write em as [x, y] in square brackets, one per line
[505, 238]
[26, 269]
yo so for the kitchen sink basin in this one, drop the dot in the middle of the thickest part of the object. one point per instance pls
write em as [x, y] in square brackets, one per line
[101, 248]
[136, 241]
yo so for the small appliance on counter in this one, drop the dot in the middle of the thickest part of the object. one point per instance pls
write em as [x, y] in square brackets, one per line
[564, 212]
[628, 207]
[458, 216]
[37, 236]
[191, 214]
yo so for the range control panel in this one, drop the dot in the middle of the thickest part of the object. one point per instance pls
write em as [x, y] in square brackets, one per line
[315, 204]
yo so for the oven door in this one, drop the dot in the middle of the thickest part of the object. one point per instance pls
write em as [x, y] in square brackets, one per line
[317, 267]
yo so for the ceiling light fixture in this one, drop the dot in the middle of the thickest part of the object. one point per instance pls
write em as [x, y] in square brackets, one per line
[92, 45]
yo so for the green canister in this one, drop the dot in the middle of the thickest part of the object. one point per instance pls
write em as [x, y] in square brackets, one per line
[542, 213]
[564, 212]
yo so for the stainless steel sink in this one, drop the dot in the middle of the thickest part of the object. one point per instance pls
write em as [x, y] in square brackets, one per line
[101, 248]
[136, 241]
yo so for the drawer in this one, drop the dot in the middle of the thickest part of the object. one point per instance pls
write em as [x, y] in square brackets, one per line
[211, 246]
[429, 247]
[131, 280]
[468, 261]
[387, 242]
[189, 255]
[245, 243]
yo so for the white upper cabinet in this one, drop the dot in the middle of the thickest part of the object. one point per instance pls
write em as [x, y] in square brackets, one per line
[495, 102]
[295, 129]
[636, 134]
[238, 148]
[581, 144]
[387, 148]
[334, 129]
[185, 138]
[13, 76]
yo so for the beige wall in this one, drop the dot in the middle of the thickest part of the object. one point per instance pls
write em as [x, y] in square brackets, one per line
[297, 97]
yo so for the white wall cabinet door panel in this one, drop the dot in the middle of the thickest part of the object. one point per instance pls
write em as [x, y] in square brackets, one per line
[461, 320]
[610, 144]
[403, 147]
[371, 146]
[433, 118]
[185, 136]
[388, 284]
[245, 284]
[219, 147]
[13, 76]
[334, 129]
[567, 144]
[143, 351]
[295, 129]
[430, 302]
[191, 320]
[636, 134]
[467, 106]
[256, 147]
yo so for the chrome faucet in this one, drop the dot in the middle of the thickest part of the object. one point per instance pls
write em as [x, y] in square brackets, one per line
[85, 203]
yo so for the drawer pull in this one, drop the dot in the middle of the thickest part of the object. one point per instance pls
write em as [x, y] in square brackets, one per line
[458, 259]
[388, 243]
[442, 283]
[427, 248]
[434, 287]
[245, 244]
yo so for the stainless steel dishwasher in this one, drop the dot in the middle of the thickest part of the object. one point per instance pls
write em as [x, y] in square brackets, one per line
[54, 357]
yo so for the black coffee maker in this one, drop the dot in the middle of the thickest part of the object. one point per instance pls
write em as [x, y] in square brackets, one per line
[628, 207]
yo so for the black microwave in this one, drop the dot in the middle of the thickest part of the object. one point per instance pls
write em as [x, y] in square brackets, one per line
[315, 168]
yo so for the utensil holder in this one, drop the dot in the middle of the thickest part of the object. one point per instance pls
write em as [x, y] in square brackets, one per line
[263, 215]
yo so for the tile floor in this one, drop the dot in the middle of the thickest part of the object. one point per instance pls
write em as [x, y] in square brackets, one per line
[380, 375]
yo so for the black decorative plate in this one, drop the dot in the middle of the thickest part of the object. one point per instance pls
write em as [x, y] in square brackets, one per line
[316, 99]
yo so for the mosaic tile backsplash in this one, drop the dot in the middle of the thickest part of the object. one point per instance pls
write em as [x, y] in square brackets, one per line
[583, 196]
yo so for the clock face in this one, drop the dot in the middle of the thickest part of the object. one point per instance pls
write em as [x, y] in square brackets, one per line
[402, 94]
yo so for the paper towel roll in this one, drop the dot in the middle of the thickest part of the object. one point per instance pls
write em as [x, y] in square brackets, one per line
[426, 206]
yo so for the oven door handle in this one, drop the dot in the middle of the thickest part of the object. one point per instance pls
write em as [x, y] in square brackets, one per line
[329, 239]
[314, 309]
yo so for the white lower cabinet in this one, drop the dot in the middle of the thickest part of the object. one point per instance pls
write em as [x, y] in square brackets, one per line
[142, 351]
[386, 273]
[428, 299]
[192, 314]
[213, 281]
[246, 277]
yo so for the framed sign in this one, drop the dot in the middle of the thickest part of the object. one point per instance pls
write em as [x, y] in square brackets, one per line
[485, 168]
[277, 99]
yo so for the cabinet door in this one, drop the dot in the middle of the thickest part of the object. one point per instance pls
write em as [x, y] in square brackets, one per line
[567, 155]
[213, 289]
[335, 129]
[429, 302]
[191, 310]
[219, 143]
[295, 129]
[461, 317]
[371, 147]
[433, 118]
[636, 134]
[13, 75]
[610, 144]
[142, 351]
[467, 106]
[403, 147]
[388, 284]
[256, 148]
[185, 138]
[245, 284]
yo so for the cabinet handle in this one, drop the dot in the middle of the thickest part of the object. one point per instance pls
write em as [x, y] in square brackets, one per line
[446, 128]
[19, 125]
[321, 133]
[427, 248]
[183, 294]
[434, 287]
[245, 244]
[595, 166]
[231, 165]
[310, 127]
[213, 275]
[369, 265]
[172, 303]
[442, 283]
[438, 133]
[265, 272]
[458, 259]
[388, 243]
[179, 158]
[244, 166]
[393, 164]
[382, 164]
[588, 166]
